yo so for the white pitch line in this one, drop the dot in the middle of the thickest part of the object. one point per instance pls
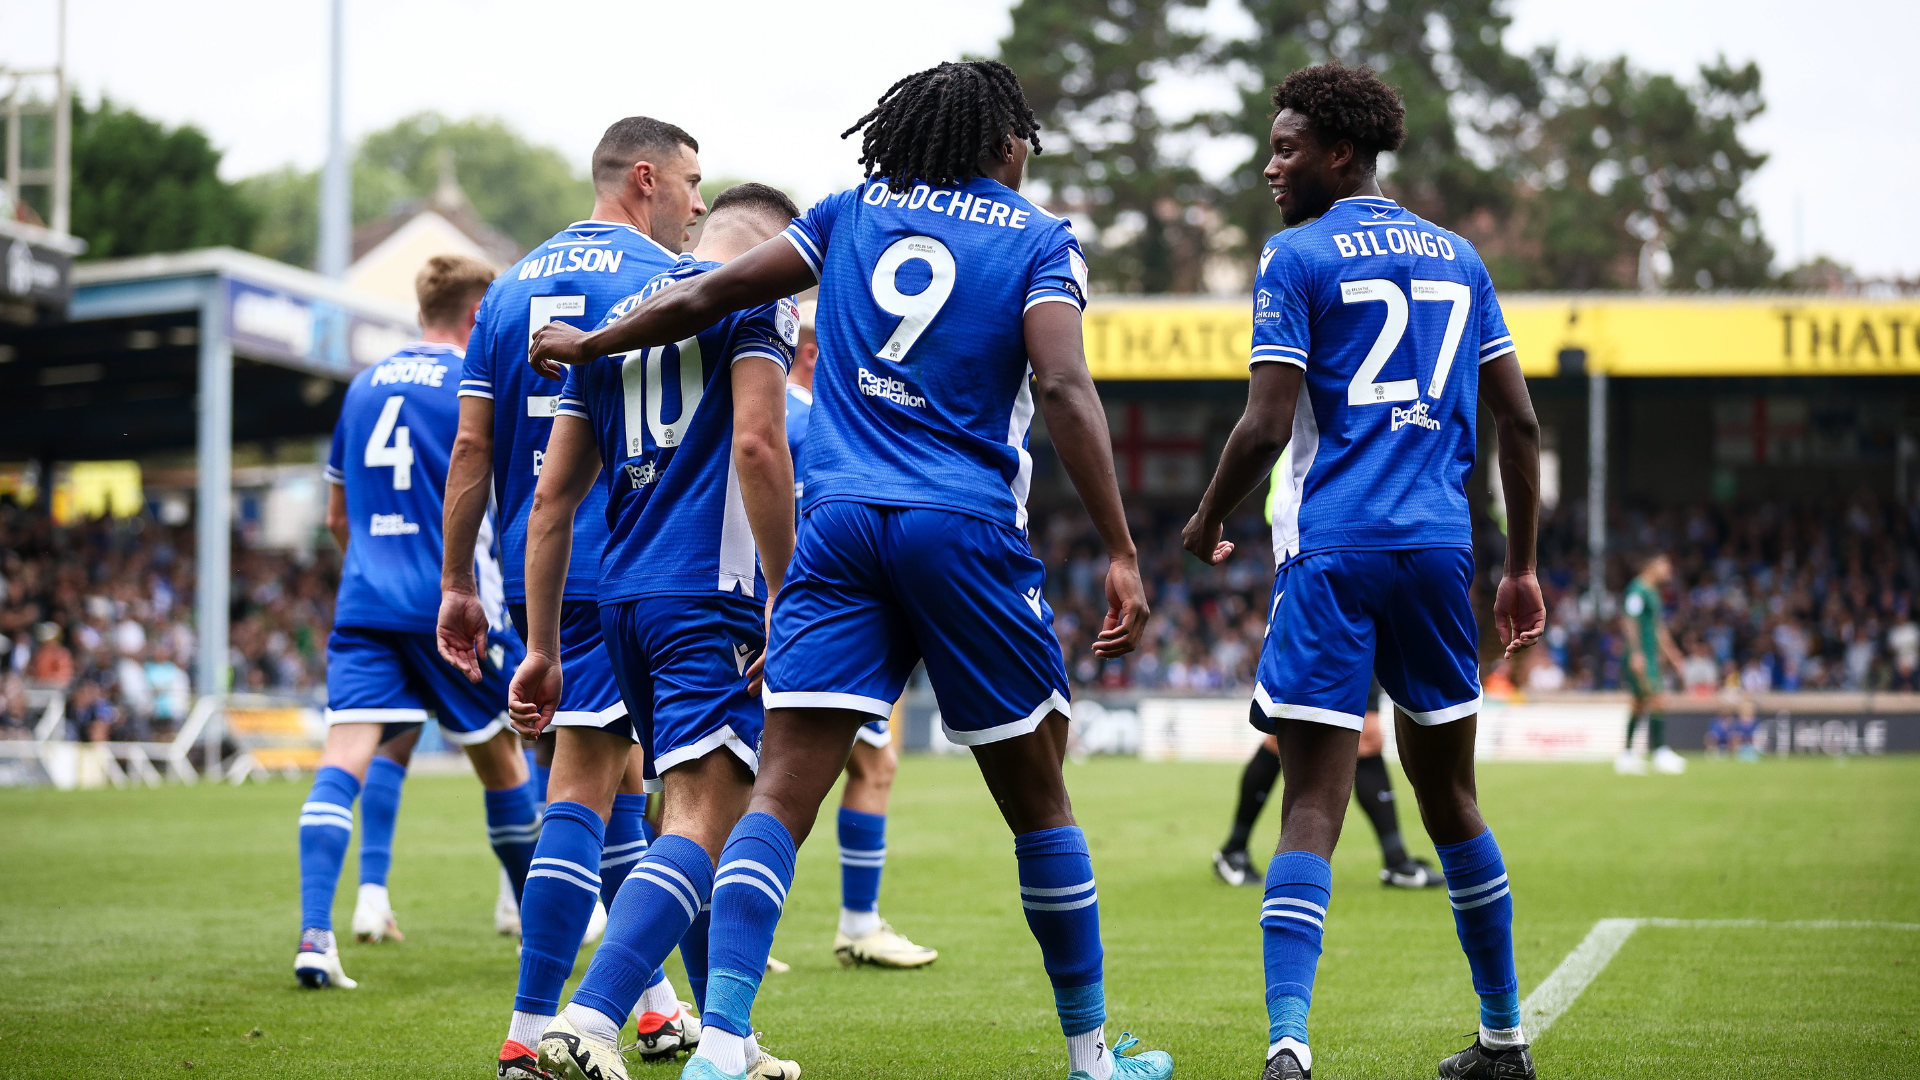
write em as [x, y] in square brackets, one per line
[1562, 988]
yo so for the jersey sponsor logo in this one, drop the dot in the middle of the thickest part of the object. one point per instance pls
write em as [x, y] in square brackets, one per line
[1416, 416]
[391, 525]
[893, 390]
[642, 474]
[576, 258]
[416, 372]
[1397, 241]
[959, 205]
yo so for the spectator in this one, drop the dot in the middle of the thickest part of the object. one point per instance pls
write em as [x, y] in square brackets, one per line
[52, 662]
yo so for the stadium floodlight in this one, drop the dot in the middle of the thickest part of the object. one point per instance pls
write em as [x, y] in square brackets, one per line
[19, 102]
[336, 180]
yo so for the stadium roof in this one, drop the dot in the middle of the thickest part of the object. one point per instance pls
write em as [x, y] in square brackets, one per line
[122, 374]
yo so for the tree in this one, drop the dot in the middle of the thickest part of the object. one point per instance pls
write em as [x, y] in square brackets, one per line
[528, 192]
[1625, 165]
[286, 204]
[141, 187]
[1087, 68]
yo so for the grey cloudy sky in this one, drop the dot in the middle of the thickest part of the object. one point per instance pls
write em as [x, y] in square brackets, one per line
[767, 86]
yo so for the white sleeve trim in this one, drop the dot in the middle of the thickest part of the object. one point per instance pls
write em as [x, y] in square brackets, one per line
[1504, 350]
[764, 354]
[469, 392]
[1507, 341]
[570, 410]
[1258, 349]
[801, 244]
[335, 476]
[1282, 358]
[1052, 298]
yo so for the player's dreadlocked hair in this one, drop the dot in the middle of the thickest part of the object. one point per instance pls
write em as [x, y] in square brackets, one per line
[937, 125]
[1341, 102]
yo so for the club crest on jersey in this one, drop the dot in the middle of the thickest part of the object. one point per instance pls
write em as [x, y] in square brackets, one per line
[1416, 416]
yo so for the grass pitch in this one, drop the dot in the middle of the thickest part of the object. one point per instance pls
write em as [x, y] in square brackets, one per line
[151, 933]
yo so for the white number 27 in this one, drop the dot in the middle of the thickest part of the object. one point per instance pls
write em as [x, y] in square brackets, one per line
[1363, 390]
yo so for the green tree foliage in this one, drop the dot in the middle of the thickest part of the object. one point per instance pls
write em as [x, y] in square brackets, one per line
[1621, 158]
[141, 187]
[527, 191]
[286, 204]
[1088, 68]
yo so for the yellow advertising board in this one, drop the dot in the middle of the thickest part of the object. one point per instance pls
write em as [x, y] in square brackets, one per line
[1201, 338]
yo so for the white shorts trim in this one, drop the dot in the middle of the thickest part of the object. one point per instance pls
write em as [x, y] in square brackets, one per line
[1447, 715]
[722, 736]
[1025, 725]
[1282, 710]
[799, 699]
[871, 737]
[475, 738]
[583, 718]
[376, 716]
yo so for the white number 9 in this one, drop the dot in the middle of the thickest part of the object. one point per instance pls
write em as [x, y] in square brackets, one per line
[917, 311]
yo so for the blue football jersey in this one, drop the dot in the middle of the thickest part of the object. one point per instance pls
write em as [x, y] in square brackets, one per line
[663, 419]
[390, 450]
[923, 385]
[574, 277]
[1391, 317]
[799, 411]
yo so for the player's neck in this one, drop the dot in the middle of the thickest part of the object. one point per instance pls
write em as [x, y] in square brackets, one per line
[1366, 186]
[439, 335]
[616, 212]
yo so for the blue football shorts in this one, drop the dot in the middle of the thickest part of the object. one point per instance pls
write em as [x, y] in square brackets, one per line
[396, 677]
[589, 696]
[874, 733]
[681, 663]
[1339, 618]
[872, 590]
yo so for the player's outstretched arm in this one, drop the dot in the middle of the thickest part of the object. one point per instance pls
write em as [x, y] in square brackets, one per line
[462, 630]
[765, 468]
[567, 473]
[1519, 614]
[1273, 390]
[1078, 425]
[771, 270]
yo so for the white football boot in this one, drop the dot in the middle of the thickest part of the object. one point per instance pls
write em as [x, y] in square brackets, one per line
[659, 1037]
[317, 964]
[1667, 762]
[883, 947]
[506, 910]
[596, 924]
[1628, 763]
[567, 1053]
[373, 916]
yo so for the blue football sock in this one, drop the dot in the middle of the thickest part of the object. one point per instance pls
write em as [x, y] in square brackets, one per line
[626, 844]
[537, 775]
[513, 827]
[756, 870]
[1063, 911]
[863, 854]
[556, 904]
[693, 954]
[1483, 917]
[379, 809]
[649, 917]
[326, 825]
[1292, 919]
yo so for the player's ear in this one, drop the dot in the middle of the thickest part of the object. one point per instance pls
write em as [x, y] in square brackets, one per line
[641, 175]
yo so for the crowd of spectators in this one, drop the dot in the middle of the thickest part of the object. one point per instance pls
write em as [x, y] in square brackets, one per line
[103, 612]
[1767, 597]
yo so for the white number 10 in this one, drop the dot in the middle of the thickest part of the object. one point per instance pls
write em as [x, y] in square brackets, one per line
[917, 311]
[1363, 390]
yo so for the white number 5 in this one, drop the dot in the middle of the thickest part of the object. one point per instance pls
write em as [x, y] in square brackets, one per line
[1363, 390]
[917, 311]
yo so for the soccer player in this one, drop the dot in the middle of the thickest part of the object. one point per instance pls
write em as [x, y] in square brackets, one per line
[863, 936]
[949, 308]
[646, 177]
[388, 467]
[373, 919]
[1376, 337]
[1648, 643]
[1372, 788]
[697, 478]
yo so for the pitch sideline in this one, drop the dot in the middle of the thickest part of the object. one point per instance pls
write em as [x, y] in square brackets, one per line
[1562, 988]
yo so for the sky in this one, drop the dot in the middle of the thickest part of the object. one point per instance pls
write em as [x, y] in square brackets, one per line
[770, 87]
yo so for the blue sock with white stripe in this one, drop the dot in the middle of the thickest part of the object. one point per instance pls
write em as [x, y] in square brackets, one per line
[863, 854]
[693, 954]
[1483, 916]
[1063, 911]
[513, 827]
[1292, 918]
[326, 825]
[626, 844]
[756, 870]
[379, 809]
[556, 904]
[649, 916]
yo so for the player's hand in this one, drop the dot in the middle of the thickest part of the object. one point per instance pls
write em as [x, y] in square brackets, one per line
[757, 670]
[554, 345]
[1204, 541]
[533, 694]
[1519, 614]
[462, 632]
[1127, 611]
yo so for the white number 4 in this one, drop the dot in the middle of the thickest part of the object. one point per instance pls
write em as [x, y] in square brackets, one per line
[1363, 390]
[399, 455]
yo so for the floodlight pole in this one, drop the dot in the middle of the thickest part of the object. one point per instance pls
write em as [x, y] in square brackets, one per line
[213, 520]
[62, 133]
[336, 182]
[1597, 498]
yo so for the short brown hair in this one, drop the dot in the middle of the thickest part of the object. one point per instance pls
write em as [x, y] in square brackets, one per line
[636, 138]
[447, 285]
